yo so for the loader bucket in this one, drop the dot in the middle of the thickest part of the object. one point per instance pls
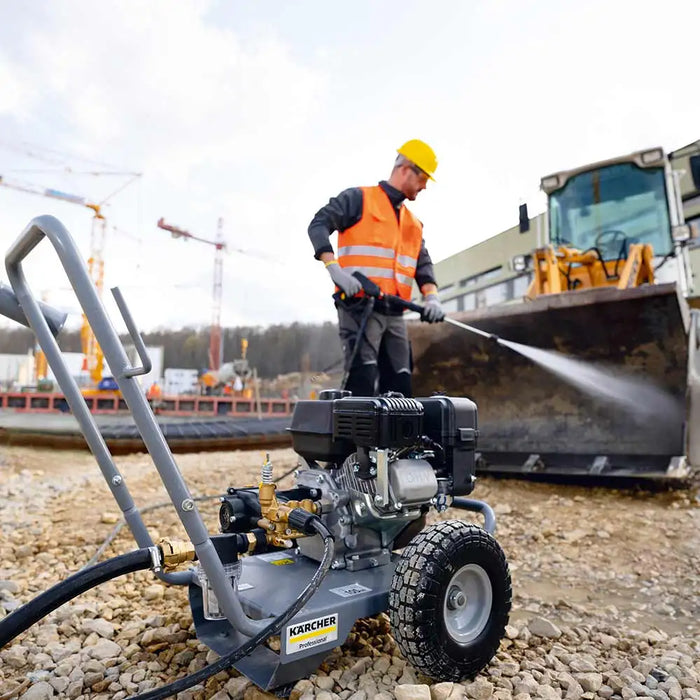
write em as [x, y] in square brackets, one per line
[531, 420]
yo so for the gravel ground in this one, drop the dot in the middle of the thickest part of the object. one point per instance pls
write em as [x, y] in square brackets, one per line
[606, 588]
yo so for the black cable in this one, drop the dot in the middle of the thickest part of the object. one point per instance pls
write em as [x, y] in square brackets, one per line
[359, 339]
[273, 628]
[37, 608]
[665, 259]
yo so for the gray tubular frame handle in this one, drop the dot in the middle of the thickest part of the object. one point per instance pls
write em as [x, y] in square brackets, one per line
[478, 507]
[115, 355]
[140, 346]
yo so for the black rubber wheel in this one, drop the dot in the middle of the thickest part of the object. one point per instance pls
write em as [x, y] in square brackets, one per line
[450, 599]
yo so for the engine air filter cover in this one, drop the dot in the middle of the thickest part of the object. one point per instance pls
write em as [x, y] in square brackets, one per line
[378, 422]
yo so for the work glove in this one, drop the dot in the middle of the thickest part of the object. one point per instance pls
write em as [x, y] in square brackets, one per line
[432, 309]
[349, 284]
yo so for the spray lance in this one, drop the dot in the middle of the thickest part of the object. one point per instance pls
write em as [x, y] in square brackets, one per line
[372, 290]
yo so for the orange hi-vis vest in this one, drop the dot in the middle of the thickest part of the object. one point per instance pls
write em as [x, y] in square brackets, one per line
[380, 247]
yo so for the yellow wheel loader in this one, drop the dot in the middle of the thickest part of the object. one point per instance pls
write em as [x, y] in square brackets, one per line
[609, 287]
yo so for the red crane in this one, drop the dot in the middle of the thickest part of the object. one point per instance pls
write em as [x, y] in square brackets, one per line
[216, 349]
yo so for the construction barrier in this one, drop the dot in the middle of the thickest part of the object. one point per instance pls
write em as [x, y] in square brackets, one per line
[112, 402]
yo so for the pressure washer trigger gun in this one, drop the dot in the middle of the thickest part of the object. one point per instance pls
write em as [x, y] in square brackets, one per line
[371, 289]
[367, 284]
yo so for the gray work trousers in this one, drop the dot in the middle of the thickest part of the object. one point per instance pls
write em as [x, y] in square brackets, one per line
[383, 360]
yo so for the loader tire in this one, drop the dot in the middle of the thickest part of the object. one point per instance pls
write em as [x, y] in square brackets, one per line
[450, 599]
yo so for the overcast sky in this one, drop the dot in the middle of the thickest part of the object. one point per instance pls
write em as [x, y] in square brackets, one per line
[258, 112]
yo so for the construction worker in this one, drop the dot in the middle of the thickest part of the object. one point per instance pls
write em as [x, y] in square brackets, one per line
[154, 392]
[379, 237]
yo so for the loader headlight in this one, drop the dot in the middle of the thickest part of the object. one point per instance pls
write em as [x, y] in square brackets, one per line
[549, 184]
[519, 263]
[649, 157]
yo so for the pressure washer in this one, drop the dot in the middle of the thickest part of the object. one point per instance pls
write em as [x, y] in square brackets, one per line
[349, 540]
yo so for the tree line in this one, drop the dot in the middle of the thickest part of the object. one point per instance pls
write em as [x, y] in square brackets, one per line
[273, 350]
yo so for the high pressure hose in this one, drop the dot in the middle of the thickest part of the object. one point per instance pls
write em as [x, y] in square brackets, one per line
[312, 525]
[33, 611]
[85, 579]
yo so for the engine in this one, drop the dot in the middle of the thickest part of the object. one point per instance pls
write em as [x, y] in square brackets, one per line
[372, 468]
[380, 463]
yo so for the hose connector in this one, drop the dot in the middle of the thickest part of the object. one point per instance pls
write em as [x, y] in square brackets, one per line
[175, 552]
[308, 523]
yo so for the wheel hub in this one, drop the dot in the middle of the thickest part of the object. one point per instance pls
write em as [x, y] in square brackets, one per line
[456, 598]
[468, 603]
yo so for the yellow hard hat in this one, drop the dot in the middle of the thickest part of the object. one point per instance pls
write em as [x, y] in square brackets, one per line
[420, 154]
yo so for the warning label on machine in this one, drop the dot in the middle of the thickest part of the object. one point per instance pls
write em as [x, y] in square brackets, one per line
[311, 633]
[274, 557]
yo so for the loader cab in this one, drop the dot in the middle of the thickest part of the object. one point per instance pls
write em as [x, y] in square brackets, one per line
[610, 205]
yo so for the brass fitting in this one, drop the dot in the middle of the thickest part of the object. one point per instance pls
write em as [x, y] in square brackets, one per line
[252, 542]
[267, 497]
[175, 552]
[275, 516]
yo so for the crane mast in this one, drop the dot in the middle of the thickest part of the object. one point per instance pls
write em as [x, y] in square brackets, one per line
[216, 349]
[94, 359]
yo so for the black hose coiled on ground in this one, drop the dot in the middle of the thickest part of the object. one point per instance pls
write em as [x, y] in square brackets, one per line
[312, 524]
[33, 611]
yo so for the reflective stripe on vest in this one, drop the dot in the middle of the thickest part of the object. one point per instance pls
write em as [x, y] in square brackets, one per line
[379, 246]
[384, 273]
[367, 250]
[407, 260]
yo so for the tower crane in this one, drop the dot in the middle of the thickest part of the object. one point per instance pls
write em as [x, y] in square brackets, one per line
[216, 349]
[93, 358]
